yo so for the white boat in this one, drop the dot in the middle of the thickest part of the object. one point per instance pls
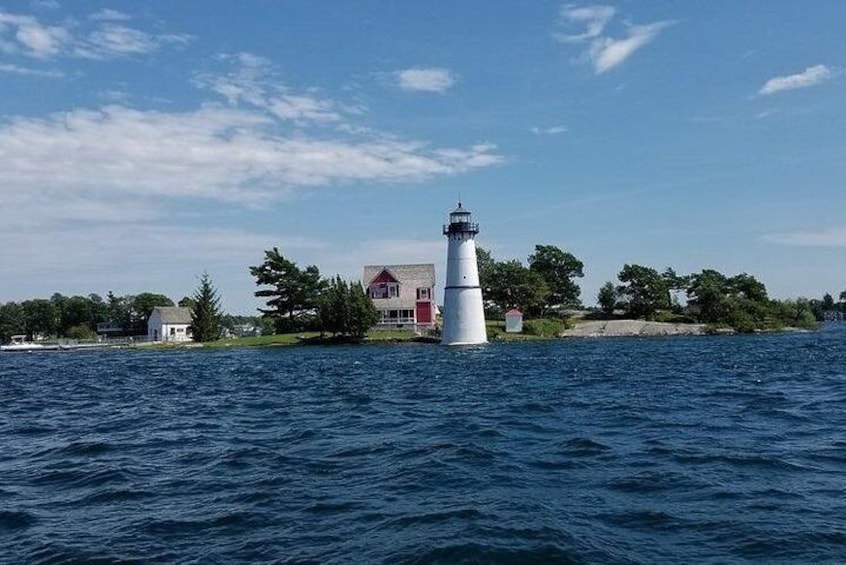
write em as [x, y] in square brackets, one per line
[19, 343]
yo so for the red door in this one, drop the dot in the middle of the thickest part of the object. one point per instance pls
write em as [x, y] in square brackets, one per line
[424, 312]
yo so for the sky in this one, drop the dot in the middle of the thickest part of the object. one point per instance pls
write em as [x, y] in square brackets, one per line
[145, 143]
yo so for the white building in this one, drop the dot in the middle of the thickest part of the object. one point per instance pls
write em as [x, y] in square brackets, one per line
[464, 315]
[169, 323]
[514, 321]
[404, 295]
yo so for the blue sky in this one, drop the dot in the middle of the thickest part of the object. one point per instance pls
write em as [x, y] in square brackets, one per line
[143, 143]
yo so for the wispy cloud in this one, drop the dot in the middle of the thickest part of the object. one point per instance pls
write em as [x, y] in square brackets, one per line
[809, 77]
[240, 150]
[27, 36]
[591, 21]
[107, 15]
[250, 80]
[831, 237]
[587, 24]
[22, 34]
[549, 130]
[607, 53]
[25, 71]
[425, 79]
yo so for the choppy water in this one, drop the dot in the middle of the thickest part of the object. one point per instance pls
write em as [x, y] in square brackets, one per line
[723, 449]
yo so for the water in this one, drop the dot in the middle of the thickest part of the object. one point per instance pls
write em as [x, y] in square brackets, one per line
[720, 449]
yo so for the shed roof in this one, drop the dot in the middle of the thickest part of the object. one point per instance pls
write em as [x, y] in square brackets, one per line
[514, 312]
[174, 314]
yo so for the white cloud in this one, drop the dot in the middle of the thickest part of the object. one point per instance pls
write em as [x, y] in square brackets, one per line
[18, 70]
[604, 52]
[592, 18]
[831, 237]
[809, 77]
[425, 80]
[252, 82]
[550, 130]
[100, 165]
[107, 15]
[26, 35]
[607, 53]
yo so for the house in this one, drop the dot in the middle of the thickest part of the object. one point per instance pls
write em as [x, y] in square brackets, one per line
[404, 295]
[169, 323]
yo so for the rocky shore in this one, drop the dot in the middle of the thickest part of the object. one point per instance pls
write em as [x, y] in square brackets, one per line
[628, 328]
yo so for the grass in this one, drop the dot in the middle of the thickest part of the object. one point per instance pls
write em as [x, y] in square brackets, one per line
[496, 332]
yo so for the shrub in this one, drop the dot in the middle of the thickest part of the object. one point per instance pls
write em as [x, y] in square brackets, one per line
[544, 327]
[81, 332]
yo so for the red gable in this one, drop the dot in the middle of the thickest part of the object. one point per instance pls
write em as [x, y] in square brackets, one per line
[384, 277]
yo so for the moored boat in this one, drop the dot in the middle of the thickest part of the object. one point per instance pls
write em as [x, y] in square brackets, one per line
[19, 343]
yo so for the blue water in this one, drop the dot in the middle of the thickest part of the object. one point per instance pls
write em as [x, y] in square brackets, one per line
[705, 449]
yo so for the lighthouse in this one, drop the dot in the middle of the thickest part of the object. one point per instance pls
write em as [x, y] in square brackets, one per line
[464, 316]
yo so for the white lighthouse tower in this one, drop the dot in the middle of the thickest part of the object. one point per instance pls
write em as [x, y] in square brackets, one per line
[464, 316]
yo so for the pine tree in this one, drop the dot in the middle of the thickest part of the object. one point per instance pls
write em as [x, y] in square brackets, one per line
[364, 314]
[205, 325]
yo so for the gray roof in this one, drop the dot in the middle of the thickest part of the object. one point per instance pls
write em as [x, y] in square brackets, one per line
[419, 275]
[174, 314]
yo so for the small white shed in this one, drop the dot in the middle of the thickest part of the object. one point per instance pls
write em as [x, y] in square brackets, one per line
[514, 321]
[169, 323]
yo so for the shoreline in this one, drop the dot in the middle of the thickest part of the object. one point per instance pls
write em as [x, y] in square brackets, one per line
[635, 328]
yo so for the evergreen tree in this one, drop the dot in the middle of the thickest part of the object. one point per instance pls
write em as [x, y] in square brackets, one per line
[294, 292]
[205, 324]
[363, 313]
[558, 269]
[345, 309]
[607, 298]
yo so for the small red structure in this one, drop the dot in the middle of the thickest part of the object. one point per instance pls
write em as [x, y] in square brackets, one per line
[514, 321]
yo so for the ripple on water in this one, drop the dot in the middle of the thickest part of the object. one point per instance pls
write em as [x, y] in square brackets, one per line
[651, 450]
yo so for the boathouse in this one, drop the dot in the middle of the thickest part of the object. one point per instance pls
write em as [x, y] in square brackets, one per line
[169, 323]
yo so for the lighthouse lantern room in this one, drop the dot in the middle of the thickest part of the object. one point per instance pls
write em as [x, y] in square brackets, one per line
[464, 316]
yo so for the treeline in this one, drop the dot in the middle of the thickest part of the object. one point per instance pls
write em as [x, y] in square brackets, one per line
[739, 302]
[77, 317]
[547, 286]
[80, 317]
[544, 286]
[302, 300]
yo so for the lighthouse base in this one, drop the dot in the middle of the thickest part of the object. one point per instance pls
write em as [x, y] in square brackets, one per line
[464, 317]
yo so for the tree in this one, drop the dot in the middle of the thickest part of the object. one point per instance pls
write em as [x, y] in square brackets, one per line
[607, 298]
[76, 311]
[643, 292]
[827, 302]
[707, 296]
[41, 317]
[333, 307]
[740, 302]
[363, 313]
[292, 298]
[206, 315]
[514, 286]
[486, 264]
[186, 302]
[345, 308]
[12, 320]
[558, 268]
